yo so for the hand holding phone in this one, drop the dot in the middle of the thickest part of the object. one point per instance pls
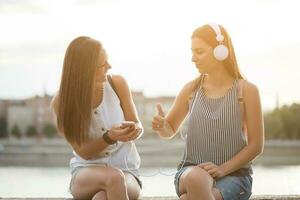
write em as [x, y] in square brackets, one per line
[133, 130]
[129, 124]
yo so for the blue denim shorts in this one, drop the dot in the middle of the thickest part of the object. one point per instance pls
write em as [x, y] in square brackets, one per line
[230, 187]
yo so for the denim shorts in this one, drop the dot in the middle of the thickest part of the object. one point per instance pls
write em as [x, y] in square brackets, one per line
[230, 187]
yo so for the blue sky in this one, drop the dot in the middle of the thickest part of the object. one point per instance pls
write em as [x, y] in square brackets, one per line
[149, 42]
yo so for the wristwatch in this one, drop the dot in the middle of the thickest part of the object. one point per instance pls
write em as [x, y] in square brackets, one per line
[107, 139]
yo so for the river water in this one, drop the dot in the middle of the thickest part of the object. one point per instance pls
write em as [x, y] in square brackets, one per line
[53, 181]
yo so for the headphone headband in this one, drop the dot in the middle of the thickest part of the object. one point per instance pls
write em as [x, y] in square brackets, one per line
[220, 51]
[216, 28]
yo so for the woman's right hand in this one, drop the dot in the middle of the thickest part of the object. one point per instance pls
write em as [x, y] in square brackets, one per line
[159, 120]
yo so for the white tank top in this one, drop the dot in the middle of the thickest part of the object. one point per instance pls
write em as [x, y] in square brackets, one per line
[122, 155]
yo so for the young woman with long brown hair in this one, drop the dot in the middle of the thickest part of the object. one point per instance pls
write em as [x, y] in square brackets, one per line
[224, 122]
[93, 110]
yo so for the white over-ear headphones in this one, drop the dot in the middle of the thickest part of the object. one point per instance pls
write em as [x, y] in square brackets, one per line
[220, 51]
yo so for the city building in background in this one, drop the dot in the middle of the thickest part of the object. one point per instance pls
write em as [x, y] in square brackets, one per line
[33, 117]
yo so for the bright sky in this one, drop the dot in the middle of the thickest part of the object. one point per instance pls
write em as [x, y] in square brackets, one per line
[148, 42]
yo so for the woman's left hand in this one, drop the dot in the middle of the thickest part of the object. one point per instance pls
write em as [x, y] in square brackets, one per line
[133, 133]
[214, 170]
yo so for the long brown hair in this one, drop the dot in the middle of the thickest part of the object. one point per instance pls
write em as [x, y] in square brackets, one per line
[76, 88]
[209, 36]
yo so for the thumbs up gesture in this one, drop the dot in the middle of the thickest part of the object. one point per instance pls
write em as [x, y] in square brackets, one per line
[159, 121]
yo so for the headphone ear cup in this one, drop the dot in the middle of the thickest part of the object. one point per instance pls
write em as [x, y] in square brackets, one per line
[221, 52]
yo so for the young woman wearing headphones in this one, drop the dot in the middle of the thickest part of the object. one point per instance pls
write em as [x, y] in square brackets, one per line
[224, 122]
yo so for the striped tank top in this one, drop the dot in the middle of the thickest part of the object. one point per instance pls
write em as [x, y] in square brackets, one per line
[214, 131]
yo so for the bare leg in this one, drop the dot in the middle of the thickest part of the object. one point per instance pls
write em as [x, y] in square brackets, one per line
[133, 188]
[91, 180]
[217, 194]
[197, 184]
[100, 196]
[183, 197]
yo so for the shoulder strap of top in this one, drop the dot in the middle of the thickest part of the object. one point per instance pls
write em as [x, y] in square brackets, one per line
[195, 93]
[111, 82]
[109, 78]
[202, 77]
[241, 101]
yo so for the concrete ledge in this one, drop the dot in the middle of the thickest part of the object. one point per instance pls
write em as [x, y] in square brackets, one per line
[259, 197]
[276, 197]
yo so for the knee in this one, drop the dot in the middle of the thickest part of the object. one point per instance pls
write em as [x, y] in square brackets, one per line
[76, 194]
[116, 177]
[133, 194]
[217, 194]
[100, 196]
[133, 188]
[183, 197]
[78, 186]
[79, 194]
[197, 176]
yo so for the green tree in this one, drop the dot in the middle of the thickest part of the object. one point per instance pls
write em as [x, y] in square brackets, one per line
[31, 131]
[291, 119]
[3, 127]
[49, 130]
[15, 131]
[283, 123]
[274, 125]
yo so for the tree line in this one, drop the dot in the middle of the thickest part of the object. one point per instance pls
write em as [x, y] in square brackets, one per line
[283, 122]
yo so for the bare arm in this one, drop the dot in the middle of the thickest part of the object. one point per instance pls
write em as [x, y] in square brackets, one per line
[54, 107]
[93, 147]
[127, 104]
[170, 124]
[255, 131]
[90, 148]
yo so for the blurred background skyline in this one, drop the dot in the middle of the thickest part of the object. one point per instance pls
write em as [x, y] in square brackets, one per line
[148, 42]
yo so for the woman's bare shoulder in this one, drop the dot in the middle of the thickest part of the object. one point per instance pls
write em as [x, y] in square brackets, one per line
[187, 91]
[250, 88]
[119, 80]
[190, 87]
[251, 93]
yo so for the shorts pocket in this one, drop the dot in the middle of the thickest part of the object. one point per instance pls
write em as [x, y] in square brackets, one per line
[235, 187]
[245, 187]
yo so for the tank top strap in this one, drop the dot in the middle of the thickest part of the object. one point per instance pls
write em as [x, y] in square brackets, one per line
[111, 87]
[112, 84]
[241, 83]
[195, 93]
[202, 77]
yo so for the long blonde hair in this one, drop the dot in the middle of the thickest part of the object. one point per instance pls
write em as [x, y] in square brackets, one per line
[209, 36]
[76, 88]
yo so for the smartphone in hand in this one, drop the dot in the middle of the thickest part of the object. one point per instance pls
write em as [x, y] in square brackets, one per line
[129, 124]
